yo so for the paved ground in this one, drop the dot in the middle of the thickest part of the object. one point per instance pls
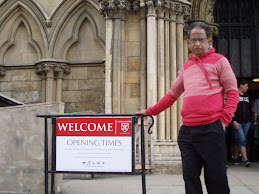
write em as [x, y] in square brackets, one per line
[242, 180]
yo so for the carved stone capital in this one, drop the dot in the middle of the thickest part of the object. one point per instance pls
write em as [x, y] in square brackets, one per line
[186, 12]
[151, 8]
[178, 7]
[108, 7]
[62, 67]
[136, 5]
[51, 64]
[186, 27]
[2, 71]
[160, 12]
[43, 67]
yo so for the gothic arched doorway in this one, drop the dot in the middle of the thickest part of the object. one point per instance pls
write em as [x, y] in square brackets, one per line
[238, 35]
[238, 40]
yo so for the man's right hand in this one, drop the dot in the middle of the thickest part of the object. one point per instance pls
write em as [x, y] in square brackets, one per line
[235, 125]
[142, 112]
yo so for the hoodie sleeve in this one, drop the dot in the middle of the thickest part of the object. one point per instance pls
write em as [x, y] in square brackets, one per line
[229, 83]
[169, 99]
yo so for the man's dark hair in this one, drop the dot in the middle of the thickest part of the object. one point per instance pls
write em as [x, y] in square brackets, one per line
[242, 82]
[199, 25]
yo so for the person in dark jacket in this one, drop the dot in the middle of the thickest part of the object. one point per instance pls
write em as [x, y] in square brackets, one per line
[241, 122]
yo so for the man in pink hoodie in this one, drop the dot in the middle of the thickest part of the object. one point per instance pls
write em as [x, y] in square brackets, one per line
[204, 80]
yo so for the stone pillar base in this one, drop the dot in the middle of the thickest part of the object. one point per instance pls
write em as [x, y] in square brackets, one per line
[167, 158]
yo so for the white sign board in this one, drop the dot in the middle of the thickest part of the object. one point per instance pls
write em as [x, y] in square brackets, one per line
[94, 145]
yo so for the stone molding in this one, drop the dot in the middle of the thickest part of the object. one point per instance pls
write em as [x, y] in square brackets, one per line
[2, 71]
[48, 65]
[107, 7]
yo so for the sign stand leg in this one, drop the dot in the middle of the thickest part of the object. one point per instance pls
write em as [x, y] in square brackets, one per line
[53, 160]
[46, 157]
[143, 156]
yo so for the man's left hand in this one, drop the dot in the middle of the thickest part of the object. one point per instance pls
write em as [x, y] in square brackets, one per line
[224, 126]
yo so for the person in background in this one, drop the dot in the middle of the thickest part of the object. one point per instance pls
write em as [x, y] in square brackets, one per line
[204, 80]
[255, 110]
[241, 122]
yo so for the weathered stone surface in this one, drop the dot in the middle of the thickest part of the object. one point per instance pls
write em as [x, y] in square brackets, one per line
[21, 75]
[132, 105]
[26, 97]
[32, 85]
[79, 73]
[170, 168]
[7, 76]
[22, 148]
[35, 77]
[134, 90]
[136, 48]
[91, 84]
[132, 77]
[71, 96]
[95, 72]
[70, 85]
[133, 63]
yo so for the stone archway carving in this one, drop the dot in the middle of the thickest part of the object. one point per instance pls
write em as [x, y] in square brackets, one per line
[203, 9]
[75, 35]
[84, 9]
[11, 41]
[9, 8]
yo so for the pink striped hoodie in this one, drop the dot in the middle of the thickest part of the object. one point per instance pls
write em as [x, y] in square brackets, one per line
[204, 80]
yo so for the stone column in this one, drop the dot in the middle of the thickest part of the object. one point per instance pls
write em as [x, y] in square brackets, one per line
[143, 59]
[173, 72]
[185, 44]
[113, 12]
[152, 58]
[51, 70]
[167, 73]
[108, 66]
[60, 69]
[47, 71]
[179, 57]
[107, 11]
[122, 64]
[116, 69]
[161, 69]
[43, 88]
[49, 84]
[186, 13]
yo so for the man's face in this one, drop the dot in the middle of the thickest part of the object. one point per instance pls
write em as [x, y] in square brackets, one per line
[244, 87]
[198, 41]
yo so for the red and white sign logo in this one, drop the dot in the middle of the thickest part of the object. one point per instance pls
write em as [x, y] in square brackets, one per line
[124, 127]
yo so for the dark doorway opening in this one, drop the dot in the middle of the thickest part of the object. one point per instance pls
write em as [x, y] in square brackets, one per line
[238, 40]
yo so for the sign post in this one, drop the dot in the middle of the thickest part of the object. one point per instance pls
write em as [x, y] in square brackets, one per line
[93, 144]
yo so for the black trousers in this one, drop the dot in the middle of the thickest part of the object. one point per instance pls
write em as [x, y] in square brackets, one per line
[204, 146]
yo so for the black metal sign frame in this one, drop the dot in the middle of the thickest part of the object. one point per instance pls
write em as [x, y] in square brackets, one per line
[53, 171]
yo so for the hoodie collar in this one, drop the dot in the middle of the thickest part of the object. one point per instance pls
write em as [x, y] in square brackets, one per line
[210, 50]
[200, 64]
